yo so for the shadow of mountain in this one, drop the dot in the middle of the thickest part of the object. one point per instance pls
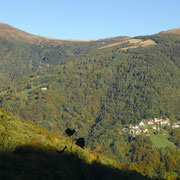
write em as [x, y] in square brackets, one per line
[39, 163]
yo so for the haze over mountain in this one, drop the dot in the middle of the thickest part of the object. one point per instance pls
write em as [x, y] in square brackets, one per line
[99, 88]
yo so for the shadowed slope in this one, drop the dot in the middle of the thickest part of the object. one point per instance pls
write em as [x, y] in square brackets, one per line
[30, 152]
[38, 162]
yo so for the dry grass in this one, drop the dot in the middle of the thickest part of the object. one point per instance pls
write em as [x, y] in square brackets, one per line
[133, 43]
[172, 31]
[112, 45]
[140, 44]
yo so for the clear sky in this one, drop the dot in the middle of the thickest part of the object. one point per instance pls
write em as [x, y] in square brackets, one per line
[91, 19]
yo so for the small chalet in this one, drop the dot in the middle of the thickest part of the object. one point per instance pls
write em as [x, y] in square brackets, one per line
[150, 122]
[165, 122]
[141, 123]
[44, 88]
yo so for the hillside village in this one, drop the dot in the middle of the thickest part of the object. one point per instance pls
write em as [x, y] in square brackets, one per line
[145, 125]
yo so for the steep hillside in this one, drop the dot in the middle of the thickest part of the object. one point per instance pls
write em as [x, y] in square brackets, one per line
[28, 151]
[102, 91]
[102, 85]
[22, 53]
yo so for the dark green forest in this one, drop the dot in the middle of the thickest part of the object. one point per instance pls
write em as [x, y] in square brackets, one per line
[22, 53]
[20, 58]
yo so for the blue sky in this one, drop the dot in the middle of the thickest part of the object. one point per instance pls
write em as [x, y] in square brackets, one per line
[91, 19]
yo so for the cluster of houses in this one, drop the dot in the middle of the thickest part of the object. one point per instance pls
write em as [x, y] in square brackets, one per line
[136, 130]
[143, 126]
[158, 121]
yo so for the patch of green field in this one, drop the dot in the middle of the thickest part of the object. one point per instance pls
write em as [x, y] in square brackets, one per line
[161, 139]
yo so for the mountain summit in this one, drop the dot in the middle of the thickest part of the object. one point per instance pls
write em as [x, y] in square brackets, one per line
[10, 33]
[172, 31]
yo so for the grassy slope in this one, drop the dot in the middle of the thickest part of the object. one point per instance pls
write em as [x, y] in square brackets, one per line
[132, 43]
[28, 151]
[17, 132]
[160, 140]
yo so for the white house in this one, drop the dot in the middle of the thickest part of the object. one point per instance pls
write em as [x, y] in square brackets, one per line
[141, 123]
[157, 120]
[135, 131]
[165, 122]
[150, 122]
[145, 131]
[44, 88]
[175, 126]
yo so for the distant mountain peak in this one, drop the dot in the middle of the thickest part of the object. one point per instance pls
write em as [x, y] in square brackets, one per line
[10, 32]
[171, 31]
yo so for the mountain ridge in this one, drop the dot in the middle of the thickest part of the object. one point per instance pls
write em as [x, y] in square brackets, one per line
[23, 53]
[6, 30]
[171, 31]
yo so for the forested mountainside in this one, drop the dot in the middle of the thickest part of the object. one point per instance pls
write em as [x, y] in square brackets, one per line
[102, 91]
[28, 151]
[22, 53]
[104, 85]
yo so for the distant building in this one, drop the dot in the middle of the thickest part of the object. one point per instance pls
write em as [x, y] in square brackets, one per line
[162, 122]
[135, 131]
[141, 123]
[175, 125]
[145, 131]
[44, 88]
[157, 120]
[165, 122]
[130, 126]
[150, 122]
